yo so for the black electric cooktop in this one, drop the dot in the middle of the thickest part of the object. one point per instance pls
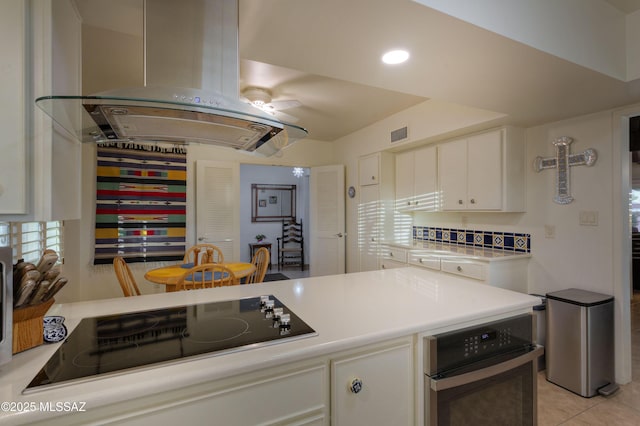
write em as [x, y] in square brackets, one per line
[115, 343]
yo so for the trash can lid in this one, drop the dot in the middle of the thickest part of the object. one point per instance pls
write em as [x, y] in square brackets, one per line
[580, 297]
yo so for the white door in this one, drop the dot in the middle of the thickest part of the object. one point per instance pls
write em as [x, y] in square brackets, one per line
[327, 223]
[218, 206]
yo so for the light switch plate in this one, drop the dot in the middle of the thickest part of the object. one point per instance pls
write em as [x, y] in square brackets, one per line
[588, 218]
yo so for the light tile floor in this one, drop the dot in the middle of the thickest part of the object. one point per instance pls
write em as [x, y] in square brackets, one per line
[557, 406]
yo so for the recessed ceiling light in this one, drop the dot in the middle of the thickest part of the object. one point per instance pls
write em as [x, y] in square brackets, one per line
[395, 57]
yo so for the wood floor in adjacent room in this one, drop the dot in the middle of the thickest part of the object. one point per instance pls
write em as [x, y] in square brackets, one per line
[557, 406]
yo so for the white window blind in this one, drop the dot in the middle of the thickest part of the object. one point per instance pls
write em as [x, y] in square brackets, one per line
[30, 239]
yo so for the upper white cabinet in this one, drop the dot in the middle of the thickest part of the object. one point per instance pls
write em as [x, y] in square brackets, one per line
[369, 169]
[13, 86]
[416, 180]
[40, 173]
[483, 172]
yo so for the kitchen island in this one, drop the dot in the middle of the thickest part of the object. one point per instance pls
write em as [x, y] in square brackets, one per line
[370, 321]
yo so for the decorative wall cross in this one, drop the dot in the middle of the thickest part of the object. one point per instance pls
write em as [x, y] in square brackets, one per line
[561, 162]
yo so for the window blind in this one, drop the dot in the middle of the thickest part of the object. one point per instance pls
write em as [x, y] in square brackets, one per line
[30, 239]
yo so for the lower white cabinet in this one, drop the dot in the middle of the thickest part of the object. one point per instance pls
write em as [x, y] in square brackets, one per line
[509, 273]
[393, 257]
[374, 387]
[291, 395]
[318, 391]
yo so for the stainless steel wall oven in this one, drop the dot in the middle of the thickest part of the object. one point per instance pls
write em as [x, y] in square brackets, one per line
[482, 375]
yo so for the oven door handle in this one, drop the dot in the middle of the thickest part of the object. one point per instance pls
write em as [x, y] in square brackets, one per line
[474, 376]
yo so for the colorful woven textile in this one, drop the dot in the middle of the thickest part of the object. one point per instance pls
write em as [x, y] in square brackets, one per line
[141, 194]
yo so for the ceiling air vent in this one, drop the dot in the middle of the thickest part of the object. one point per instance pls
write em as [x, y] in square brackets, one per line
[399, 134]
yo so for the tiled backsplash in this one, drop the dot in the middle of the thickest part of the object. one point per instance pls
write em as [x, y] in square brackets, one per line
[473, 238]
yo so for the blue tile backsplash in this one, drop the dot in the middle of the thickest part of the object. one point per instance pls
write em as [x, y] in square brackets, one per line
[469, 237]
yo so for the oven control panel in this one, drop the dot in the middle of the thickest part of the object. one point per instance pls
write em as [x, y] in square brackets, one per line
[448, 350]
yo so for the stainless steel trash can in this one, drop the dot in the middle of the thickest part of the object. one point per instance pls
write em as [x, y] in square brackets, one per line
[579, 351]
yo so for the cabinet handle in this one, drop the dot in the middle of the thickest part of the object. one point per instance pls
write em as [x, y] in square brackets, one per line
[408, 203]
[390, 254]
[473, 201]
[420, 260]
[373, 178]
[459, 201]
[356, 385]
[459, 268]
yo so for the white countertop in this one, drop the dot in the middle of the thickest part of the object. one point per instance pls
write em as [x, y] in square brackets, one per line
[454, 250]
[346, 311]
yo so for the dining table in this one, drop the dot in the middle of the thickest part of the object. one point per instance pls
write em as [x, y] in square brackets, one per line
[169, 275]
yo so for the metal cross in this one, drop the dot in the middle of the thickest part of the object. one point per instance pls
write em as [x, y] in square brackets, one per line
[562, 161]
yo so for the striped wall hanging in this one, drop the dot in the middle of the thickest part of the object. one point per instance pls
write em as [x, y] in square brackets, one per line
[141, 194]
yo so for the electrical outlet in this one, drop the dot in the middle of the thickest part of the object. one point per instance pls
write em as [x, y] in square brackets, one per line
[549, 231]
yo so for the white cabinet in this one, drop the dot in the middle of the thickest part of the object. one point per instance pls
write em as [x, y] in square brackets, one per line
[45, 46]
[393, 257]
[13, 108]
[374, 387]
[376, 218]
[370, 233]
[466, 268]
[369, 169]
[483, 172]
[416, 180]
[424, 260]
[509, 273]
[291, 395]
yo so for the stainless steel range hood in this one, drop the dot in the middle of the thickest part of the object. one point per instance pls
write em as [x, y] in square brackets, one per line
[191, 88]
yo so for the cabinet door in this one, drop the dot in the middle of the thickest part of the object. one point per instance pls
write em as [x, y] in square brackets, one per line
[452, 167]
[13, 172]
[425, 179]
[375, 388]
[484, 164]
[369, 170]
[404, 181]
[369, 210]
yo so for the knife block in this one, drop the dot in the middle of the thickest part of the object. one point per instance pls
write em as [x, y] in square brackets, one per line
[28, 326]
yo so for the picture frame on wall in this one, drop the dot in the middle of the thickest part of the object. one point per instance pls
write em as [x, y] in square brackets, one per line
[262, 203]
[273, 200]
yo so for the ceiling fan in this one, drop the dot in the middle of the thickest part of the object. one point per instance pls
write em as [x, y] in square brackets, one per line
[262, 99]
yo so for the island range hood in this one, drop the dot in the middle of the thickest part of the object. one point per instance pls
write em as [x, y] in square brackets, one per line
[191, 91]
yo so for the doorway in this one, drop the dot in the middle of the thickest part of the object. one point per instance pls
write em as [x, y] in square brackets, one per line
[251, 174]
[622, 277]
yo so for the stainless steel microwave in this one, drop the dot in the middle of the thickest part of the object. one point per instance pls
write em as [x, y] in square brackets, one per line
[6, 304]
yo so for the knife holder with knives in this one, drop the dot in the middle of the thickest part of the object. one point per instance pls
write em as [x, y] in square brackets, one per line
[28, 326]
[34, 288]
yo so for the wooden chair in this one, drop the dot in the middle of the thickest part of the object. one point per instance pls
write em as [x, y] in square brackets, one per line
[125, 277]
[291, 245]
[207, 275]
[203, 253]
[261, 261]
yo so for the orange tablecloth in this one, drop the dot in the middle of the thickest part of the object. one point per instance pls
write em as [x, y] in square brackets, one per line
[169, 275]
